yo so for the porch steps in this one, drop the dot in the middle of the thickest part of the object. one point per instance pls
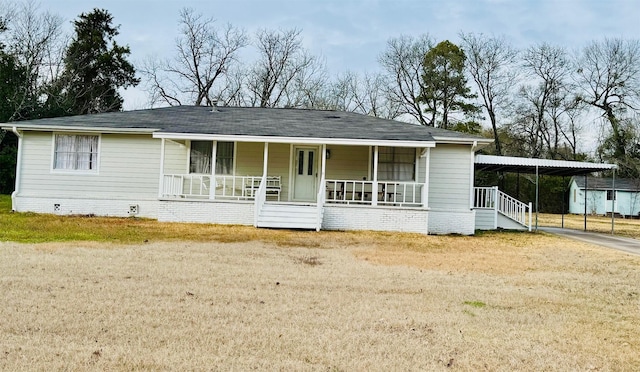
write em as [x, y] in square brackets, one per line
[288, 216]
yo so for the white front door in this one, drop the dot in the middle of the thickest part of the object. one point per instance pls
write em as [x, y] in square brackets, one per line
[305, 174]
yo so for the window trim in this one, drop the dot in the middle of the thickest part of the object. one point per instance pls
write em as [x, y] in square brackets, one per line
[233, 157]
[214, 162]
[189, 155]
[415, 164]
[92, 172]
[611, 195]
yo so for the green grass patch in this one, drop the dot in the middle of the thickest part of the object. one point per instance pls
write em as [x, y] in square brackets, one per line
[476, 304]
[38, 228]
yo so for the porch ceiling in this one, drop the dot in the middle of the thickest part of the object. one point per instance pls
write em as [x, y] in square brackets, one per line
[544, 166]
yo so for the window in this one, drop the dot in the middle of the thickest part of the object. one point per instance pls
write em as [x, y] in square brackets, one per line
[200, 157]
[609, 194]
[224, 158]
[75, 152]
[396, 163]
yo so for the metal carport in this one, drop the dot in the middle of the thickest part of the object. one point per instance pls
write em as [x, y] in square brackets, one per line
[511, 164]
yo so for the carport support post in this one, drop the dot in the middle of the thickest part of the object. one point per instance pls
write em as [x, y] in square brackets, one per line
[613, 201]
[562, 211]
[537, 192]
[585, 201]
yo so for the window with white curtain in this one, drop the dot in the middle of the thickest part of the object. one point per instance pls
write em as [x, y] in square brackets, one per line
[396, 163]
[200, 157]
[224, 158]
[75, 152]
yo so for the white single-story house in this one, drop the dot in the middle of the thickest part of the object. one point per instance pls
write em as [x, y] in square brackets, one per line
[281, 168]
[600, 195]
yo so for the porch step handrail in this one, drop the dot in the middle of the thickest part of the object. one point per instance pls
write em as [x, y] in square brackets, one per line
[260, 199]
[320, 204]
[514, 209]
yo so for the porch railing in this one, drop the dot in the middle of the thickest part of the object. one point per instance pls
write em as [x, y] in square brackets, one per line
[362, 192]
[485, 197]
[199, 186]
[186, 185]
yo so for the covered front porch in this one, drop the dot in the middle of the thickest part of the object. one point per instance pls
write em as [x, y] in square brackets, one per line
[306, 185]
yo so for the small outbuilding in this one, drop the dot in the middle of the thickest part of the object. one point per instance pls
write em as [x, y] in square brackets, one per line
[600, 196]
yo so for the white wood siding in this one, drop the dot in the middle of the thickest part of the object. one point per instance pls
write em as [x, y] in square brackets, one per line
[450, 177]
[249, 162]
[128, 168]
[176, 157]
[485, 219]
[348, 163]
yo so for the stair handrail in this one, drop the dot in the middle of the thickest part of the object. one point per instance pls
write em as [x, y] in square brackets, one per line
[260, 198]
[514, 209]
[320, 200]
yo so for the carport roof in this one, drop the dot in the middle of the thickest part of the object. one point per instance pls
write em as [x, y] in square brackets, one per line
[544, 166]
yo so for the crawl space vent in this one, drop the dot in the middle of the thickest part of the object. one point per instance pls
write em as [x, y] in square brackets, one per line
[133, 209]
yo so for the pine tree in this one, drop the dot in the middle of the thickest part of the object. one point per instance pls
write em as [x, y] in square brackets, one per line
[445, 88]
[95, 67]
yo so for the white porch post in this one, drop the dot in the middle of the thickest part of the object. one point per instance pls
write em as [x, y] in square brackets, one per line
[374, 186]
[212, 184]
[425, 188]
[323, 166]
[161, 180]
[266, 160]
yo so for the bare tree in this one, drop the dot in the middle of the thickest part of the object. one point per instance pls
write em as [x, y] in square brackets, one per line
[366, 94]
[284, 71]
[402, 62]
[608, 75]
[491, 62]
[204, 56]
[308, 86]
[35, 39]
[546, 102]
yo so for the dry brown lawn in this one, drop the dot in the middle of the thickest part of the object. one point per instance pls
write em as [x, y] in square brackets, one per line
[625, 227]
[321, 301]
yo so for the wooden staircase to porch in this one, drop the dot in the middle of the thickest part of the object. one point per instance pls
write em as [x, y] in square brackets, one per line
[289, 216]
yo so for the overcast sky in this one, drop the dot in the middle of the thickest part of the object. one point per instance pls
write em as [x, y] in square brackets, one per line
[350, 34]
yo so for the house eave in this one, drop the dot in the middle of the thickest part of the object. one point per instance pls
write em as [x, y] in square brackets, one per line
[297, 140]
[478, 142]
[77, 129]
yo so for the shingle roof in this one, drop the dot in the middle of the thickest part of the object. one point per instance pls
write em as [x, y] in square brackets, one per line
[598, 183]
[252, 121]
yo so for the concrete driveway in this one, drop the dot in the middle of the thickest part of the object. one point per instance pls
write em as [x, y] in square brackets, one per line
[628, 245]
